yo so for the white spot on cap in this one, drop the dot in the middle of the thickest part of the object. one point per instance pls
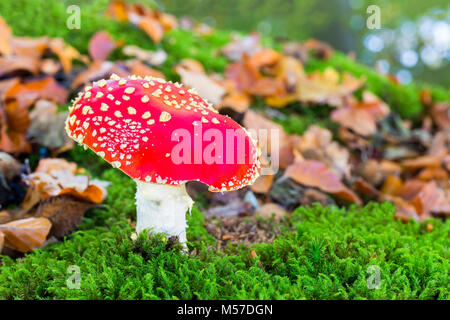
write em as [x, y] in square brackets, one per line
[131, 110]
[129, 90]
[145, 99]
[164, 117]
[146, 115]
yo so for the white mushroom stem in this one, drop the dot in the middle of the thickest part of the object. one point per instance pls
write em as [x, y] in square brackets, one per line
[162, 208]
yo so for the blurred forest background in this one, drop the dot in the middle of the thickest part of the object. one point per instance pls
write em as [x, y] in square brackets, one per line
[413, 42]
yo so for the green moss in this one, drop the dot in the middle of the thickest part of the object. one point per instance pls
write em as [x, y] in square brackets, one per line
[321, 253]
[325, 255]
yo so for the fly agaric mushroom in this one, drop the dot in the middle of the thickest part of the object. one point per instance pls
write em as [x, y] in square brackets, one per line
[136, 125]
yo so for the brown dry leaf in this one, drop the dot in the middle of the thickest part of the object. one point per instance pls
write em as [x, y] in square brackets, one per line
[361, 116]
[276, 136]
[321, 49]
[137, 68]
[271, 137]
[235, 207]
[238, 101]
[296, 50]
[391, 185]
[14, 122]
[65, 53]
[262, 184]
[30, 47]
[101, 45]
[28, 93]
[55, 177]
[403, 210]
[267, 209]
[327, 87]
[99, 70]
[316, 144]
[5, 38]
[428, 174]
[248, 77]
[59, 182]
[155, 58]
[48, 126]
[360, 121]
[205, 86]
[426, 197]
[288, 71]
[151, 26]
[18, 65]
[441, 114]
[316, 174]
[64, 212]
[427, 161]
[365, 188]
[352, 140]
[26, 234]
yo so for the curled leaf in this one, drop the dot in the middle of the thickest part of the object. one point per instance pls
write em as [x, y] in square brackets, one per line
[316, 174]
[26, 234]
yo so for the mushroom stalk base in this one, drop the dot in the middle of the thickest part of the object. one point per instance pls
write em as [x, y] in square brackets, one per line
[162, 208]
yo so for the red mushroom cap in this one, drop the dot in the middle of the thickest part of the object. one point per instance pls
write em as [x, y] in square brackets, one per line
[135, 124]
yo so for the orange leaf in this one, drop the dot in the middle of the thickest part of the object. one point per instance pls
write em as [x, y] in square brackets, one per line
[65, 53]
[118, 10]
[239, 102]
[427, 161]
[316, 174]
[27, 93]
[91, 194]
[26, 234]
[5, 38]
[152, 28]
[262, 184]
[391, 185]
[428, 174]
[13, 126]
[326, 87]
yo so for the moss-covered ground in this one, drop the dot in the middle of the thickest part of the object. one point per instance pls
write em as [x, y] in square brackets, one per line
[321, 253]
